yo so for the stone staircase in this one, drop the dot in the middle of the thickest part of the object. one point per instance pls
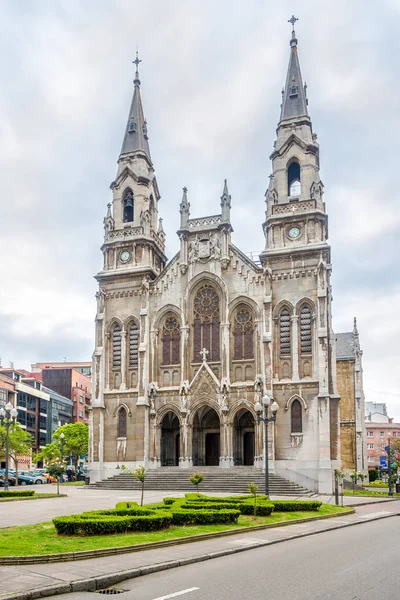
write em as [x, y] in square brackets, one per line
[234, 481]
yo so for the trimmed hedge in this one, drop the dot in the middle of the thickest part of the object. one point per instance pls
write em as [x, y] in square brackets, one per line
[295, 505]
[17, 493]
[227, 499]
[169, 501]
[263, 509]
[102, 524]
[204, 517]
[208, 506]
[129, 504]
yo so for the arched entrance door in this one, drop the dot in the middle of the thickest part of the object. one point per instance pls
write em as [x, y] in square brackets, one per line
[206, 437]
[170, 440]
[243, 440]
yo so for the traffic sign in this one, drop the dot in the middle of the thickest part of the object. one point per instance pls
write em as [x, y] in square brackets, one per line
[383, 461]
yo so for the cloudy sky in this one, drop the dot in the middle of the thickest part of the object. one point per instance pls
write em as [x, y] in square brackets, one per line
[211, 76]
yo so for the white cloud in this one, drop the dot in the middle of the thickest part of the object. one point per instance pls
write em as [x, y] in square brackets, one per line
[211, 79]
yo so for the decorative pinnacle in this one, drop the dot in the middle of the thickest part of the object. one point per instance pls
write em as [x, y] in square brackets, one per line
[355, 330]
[292, 20]
[136, 62]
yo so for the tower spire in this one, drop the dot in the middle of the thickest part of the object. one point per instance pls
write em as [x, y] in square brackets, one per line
[294, 99]
[136, 137]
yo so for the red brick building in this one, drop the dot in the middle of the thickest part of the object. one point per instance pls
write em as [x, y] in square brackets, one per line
[377, 439]
[72, 384]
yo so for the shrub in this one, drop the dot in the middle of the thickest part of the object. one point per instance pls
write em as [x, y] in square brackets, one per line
[129, 504]
[102, 524]
[262, 509]
[234, 499]
[379, 483]
[208, 506]
[373, 474]
[295, 505]
[169, 501]
[16, 493]
[204, 517]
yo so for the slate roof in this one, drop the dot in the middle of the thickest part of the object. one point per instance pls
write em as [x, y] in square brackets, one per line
[135, 137]
[294, 102]
[345, 345]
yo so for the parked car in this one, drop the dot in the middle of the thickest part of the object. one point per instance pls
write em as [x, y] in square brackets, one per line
[23, 477]
[11, 479]
[38, 478]
[48, 477]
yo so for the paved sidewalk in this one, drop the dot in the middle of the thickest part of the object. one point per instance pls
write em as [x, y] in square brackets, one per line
[48, 579]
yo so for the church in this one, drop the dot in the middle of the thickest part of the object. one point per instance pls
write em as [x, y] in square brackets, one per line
[187, 348]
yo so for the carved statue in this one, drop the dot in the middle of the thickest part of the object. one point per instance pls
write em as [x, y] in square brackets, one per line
[215, 249]
[193, 251]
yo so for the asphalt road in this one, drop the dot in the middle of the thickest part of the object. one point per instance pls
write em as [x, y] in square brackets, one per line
[354, 563]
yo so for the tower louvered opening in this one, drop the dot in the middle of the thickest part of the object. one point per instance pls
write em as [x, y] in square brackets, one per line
[305, 331]
[284, 333]
[133, 345]
[116, 343]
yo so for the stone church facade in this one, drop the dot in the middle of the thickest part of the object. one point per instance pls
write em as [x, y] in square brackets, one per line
[185, 348]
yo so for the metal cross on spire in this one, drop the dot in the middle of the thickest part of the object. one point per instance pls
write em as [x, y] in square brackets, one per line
[293, 20]
[293, 41]
[136, 62]
[204, 353]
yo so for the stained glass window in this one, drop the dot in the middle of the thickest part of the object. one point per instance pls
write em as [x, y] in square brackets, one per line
[243, 328]
[171, 341]
[296, 417]
[206, 323]
[121, 427]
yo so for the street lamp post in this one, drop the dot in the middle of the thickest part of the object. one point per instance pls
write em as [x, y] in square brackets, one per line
[389, 466]
[266, 401]
[8, 414]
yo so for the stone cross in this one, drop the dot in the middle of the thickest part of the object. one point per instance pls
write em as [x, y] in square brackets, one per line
[293, 20]
[204, 353]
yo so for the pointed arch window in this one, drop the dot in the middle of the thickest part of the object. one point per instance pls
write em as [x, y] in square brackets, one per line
[296, 417]
[305, 331]
[133, 345]
[285, 346]
[294, 180]
[116, 346]
[206, 324]
[243, 328]
[128, 205]
[122, 423]
[171, 339]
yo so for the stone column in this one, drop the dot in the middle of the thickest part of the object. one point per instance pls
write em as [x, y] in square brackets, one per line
[185, 350]
[225, 350]
[123, 360]
[295, 347]
[107, 360]
[190, 444]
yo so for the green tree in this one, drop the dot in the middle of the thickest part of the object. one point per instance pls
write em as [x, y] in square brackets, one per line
[140, 474]
[48, 454]
[56, 469]
[76, 440]
[253, 489]
[196, 479]
[20, 443]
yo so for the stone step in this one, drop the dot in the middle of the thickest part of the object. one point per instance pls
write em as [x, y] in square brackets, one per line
[234, 480]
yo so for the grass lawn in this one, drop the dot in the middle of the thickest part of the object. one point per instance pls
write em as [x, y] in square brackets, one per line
[70, 483]
[43, 539]
[35, 497]
[368, 493]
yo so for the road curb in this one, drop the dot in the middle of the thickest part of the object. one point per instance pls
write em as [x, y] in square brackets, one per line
[104, 581]
[87, 554]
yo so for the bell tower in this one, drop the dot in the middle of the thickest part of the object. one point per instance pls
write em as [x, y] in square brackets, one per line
[299, 342]
[134, 239]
